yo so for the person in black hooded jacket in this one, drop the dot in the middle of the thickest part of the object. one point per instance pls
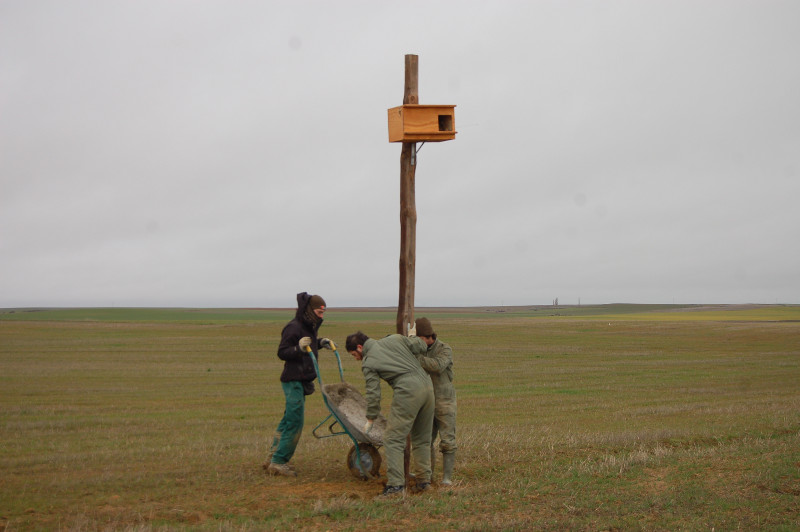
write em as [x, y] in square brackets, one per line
[297, 378]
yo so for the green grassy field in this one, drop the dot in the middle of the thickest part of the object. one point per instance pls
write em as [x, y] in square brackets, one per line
[608, 417]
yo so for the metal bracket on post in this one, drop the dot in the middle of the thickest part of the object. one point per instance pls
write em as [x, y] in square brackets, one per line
[414, 153]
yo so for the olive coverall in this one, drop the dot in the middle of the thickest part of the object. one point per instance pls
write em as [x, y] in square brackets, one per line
[438, 362]
[394, 359]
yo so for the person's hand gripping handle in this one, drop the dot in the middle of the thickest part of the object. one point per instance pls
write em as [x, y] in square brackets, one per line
[305, 344]
[327, 343]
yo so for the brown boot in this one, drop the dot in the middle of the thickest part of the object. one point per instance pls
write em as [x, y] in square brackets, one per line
[266, 464]
[281, 470]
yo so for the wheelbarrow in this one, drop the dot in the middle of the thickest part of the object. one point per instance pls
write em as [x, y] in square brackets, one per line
[348, 415]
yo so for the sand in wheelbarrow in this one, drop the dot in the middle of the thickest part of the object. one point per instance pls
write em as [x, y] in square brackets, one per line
[351, 407]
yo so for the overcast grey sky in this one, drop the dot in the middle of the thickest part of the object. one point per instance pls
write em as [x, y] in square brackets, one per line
[233, 153]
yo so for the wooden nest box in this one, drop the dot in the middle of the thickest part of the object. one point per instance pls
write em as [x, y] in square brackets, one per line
[422, 123]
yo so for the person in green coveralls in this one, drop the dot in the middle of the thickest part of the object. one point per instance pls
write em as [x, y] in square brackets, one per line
[394, 359]
[438, 362]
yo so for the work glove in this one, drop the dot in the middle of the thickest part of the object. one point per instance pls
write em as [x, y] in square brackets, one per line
[412, 329]
[326, 344]
[368, 426]
[305, 341]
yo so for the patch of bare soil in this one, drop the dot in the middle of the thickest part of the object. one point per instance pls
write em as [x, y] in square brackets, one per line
[313, 490]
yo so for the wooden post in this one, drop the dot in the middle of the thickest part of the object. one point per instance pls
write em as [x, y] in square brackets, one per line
[408, 227]
[408, 208]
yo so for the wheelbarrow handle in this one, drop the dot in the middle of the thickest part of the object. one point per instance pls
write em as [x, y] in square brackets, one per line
[333, 346]
[338, 361]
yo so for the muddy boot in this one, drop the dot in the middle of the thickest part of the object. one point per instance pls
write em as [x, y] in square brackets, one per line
[280, 470]
[267, 464]
[422, 486]
[393, 491]
[448, 460]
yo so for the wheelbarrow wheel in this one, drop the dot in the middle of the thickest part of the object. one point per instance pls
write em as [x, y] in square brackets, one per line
[370, 461]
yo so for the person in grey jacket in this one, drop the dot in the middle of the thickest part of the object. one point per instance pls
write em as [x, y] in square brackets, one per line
[394, 360]
[438, 362]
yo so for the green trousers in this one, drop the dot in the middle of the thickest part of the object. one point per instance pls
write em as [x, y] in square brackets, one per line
[412, 413]
[291, 426]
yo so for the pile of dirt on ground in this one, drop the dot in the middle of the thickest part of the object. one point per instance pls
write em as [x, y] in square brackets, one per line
[351, 408]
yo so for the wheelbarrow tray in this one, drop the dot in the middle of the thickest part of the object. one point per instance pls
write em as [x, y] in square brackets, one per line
[350, 408]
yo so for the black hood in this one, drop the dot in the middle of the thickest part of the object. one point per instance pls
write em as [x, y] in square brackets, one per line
[304, 314]
[302, 302]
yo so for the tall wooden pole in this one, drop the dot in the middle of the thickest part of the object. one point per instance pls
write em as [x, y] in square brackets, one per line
[408, 227]
[408, 208]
